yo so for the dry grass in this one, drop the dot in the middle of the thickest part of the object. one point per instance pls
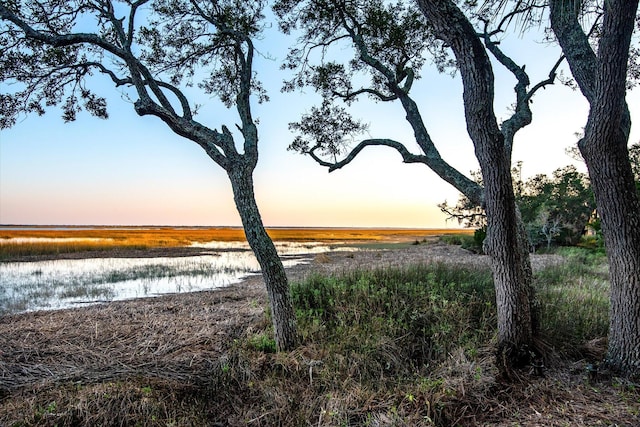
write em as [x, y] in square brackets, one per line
[78, 240]
[188, 360]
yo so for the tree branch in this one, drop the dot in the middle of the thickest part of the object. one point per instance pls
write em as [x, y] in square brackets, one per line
[132, 18]
[575, 44]
[407, 157]
[60, 40]
[468, 187]
[354, 94]
[548, 81]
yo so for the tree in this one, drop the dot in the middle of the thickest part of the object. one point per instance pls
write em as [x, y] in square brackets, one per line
[389, 42]
[151, 47]
[553, 209]
[602, 78]
[567, 199]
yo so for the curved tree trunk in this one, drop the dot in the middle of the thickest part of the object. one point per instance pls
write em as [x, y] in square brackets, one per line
[602, 80]
[275, 278]
[504, 243]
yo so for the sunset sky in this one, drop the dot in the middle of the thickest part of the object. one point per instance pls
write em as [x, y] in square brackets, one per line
[130, 170]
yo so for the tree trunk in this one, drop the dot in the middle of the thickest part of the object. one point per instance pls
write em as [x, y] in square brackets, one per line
[511, 268]
[275, 278]
[619, 211]
[504, 243]
[602, 80]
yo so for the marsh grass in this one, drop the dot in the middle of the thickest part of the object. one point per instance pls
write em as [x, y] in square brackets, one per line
[72, 240]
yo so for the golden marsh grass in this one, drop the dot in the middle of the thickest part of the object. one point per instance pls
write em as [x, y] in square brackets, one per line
[33, 241]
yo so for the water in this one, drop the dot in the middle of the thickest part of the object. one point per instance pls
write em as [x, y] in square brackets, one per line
[50, 285]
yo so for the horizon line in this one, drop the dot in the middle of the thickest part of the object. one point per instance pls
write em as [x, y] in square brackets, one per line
[224, 226]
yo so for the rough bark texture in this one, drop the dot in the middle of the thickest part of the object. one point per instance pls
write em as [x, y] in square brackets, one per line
[509, 258]
[602, 80]
[275, 278]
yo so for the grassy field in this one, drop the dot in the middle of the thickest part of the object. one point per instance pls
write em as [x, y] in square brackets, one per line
[410, 346]
[34, 241]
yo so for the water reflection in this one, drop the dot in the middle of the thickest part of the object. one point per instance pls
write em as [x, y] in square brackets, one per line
[48, 285]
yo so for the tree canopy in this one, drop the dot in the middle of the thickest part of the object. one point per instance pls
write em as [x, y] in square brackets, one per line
[154, 50]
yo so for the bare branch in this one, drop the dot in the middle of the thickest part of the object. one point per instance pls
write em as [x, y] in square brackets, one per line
[407, 156]
[354, 94]
[548, 81]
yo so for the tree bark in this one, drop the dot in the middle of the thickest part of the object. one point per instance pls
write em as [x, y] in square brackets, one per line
[602, 80]
[275, 278]
[504, 243]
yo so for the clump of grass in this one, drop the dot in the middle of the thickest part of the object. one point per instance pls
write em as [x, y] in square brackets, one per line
[374, 347]
[574, 299]
[397, 320]
[469, 241]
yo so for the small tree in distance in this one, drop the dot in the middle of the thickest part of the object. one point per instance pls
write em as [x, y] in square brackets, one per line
[151, 47]
[554, 209]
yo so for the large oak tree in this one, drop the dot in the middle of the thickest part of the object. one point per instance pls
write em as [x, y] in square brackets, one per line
[601, 75]
[389, 43]
[153, 49]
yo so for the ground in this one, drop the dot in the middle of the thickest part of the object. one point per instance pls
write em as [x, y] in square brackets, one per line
[175, 338]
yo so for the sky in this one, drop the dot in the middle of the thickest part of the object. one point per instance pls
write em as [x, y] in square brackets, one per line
[131, 170]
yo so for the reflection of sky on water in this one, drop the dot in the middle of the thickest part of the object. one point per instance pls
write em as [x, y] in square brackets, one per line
[48, 285]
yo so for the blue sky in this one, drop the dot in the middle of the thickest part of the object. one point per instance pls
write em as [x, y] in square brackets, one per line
[131, 170]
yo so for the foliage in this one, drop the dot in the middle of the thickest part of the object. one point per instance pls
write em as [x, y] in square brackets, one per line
[386, 44]
[385, 36]
[554, 209]
[557, 208]
[466, 212]
[53, 66]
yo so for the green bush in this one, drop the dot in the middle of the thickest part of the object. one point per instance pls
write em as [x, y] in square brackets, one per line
[469, 242]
